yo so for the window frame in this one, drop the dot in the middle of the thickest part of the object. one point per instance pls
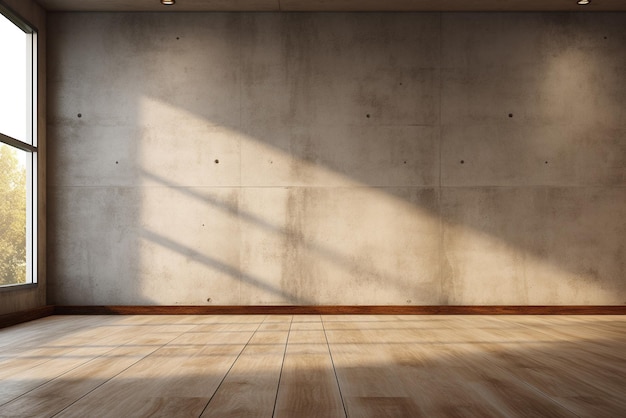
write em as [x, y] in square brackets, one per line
[32, 164]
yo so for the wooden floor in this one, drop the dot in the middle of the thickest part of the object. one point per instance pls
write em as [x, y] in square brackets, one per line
[312, 366]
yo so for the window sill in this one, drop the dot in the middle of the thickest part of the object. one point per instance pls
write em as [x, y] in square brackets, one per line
[15, 287]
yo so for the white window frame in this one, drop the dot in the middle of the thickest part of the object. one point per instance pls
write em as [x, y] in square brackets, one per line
[29, 147]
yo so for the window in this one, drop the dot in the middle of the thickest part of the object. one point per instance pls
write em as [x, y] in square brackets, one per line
[18, 152]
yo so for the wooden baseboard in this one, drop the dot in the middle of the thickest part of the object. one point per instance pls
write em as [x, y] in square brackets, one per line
[11, 319]
[8, 320]
[341, 310]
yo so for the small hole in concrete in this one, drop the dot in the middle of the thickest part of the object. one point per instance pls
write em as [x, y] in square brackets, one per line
[80, 115]
[217, 161]
[405, 162]
[208, 300]
[510, 115]
[606, 37]
[202, 224]
[178, 37]
[462, 161]
[117, 162]
[408, 301]
[400, 83]
[545, 162]
[367, 116]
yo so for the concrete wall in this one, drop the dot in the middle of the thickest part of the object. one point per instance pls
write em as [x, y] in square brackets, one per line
[337, 159]
[33, 296]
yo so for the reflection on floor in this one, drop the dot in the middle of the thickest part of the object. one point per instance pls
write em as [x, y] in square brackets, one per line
[311, 365]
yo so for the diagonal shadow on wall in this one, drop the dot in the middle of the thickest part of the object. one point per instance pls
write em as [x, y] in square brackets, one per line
[424, 125]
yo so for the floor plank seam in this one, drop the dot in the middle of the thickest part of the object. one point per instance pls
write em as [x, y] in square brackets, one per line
[114, 376]
[57, 377]
[390, 366]
[232, 365]
[282, 365]
[51, 380]
[332, 361]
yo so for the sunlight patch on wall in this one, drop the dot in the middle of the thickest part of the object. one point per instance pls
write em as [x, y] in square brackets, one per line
[580, 84]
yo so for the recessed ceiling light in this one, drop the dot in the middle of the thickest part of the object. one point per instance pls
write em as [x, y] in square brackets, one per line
[584, 2]
[170, 2]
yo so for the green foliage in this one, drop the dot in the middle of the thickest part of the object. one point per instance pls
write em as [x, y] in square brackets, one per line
[12, 218]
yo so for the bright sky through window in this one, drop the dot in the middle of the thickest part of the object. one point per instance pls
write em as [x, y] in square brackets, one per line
[18, 184]
[14, 72]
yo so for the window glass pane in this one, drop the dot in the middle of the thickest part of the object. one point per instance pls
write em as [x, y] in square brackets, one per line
[15, 219]
[15, 81]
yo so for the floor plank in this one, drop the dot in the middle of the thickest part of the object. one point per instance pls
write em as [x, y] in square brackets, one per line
[415, 368]
[58, 354]
[62, 391]
[311, 365]
[584, 375]
[250, 388]
[177, 379]
[308, 385]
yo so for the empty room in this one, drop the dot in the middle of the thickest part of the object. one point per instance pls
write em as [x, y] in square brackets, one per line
[312, 208]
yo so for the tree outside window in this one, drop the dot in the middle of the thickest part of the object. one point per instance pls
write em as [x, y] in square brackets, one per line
[12, 218]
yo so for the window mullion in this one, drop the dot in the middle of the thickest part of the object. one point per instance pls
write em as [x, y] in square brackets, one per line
[17, 144]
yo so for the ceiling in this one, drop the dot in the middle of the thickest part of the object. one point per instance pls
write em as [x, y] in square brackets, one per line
[331, 5]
